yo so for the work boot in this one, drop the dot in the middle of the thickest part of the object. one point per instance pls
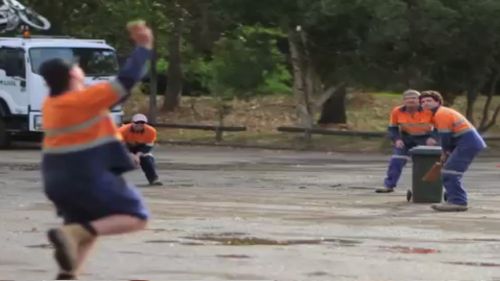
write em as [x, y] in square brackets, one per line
[156, 182]
[66, 241]
[449, 207]
[65, 276]
[384, 190]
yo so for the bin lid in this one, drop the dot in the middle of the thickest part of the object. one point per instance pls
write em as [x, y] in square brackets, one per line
[426, 150]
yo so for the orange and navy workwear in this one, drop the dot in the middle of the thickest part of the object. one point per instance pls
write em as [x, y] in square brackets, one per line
[138, 141]
[403, 122]
[413, 129]
[463, 143]
[451, 125]
[83, 156]
[80, 120]
[142, 141]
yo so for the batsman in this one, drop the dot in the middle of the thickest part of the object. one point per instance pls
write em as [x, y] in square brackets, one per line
[83, 158]
[460, 142]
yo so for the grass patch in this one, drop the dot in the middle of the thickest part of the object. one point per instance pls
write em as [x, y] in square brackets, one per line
[262, 115]
[280, 140]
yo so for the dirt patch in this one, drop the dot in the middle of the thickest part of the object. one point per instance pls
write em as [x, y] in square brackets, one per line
[410, 250]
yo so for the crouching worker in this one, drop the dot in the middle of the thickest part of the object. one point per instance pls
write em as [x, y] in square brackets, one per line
[461, 143]
[140, 138]
[409, 126]
[83, 158]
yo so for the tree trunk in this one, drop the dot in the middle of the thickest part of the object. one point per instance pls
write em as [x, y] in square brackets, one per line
[309, 78]
[174, 71]
[412, 72]
[206, 40]
[493, 120]
[485, 122]
[448, 97]
[334, 109]
[302, 78]
[153, 87]
[472, 94]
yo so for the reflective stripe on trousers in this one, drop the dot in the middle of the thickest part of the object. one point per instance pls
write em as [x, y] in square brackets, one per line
[396, 164]
[453, 171]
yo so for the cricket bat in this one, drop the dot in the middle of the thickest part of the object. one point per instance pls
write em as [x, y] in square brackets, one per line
[434, 173]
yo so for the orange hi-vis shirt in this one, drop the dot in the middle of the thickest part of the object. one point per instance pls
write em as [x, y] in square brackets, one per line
[146, 137]
[455, 130]
[80, 120]
[448, 120]
[418, 123]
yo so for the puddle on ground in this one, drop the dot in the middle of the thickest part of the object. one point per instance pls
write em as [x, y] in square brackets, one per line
[130, 252]
[233, 256]
[20, 166]
[174, 242]
[233, 240]
[362, 187]
[318, 273]
[410, 250]
[225, 234]
[161, 241]
[157, 230]
[148, 186]
[40, 246]
[479, 264]
[192, 244]
[478, 240]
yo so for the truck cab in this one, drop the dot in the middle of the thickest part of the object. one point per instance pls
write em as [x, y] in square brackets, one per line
[23, 89]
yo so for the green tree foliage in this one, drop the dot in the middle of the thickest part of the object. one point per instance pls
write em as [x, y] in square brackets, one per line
[232, 45]
[246, 61]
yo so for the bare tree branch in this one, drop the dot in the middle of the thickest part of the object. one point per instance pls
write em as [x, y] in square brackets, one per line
[327, 94]
[493, 120]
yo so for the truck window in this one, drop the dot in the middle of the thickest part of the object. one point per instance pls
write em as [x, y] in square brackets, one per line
[12, 62]
[40, 55]
[95, 62]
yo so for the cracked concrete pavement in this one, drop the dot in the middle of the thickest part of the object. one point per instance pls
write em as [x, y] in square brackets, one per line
[246, 214]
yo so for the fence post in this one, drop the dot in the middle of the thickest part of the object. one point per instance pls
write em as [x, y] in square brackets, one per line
[218, 133]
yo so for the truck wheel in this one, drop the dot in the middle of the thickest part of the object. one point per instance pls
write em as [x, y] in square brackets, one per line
[4, 135]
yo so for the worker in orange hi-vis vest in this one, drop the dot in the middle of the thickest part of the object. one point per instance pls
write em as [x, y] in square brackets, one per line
[140, 138]
[409, 126]
[83, 156]
[460, 142]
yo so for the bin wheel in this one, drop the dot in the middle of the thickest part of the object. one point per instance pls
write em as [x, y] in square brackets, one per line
[409, 194]
[445, 197]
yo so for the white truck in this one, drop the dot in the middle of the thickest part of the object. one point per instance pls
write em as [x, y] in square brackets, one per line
[22, 89]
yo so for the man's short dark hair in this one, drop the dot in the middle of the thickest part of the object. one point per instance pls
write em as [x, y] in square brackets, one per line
[435, 95]
[56, 74]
